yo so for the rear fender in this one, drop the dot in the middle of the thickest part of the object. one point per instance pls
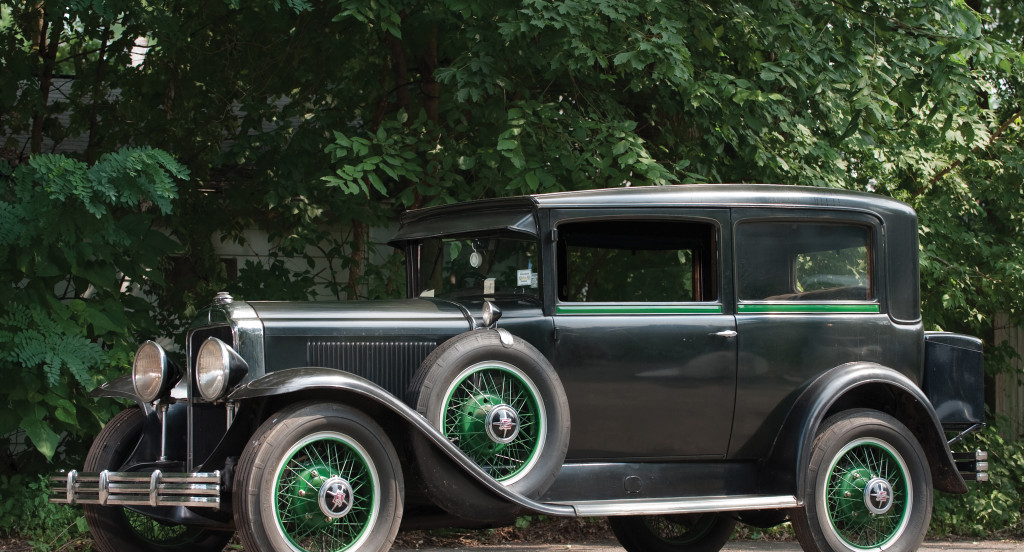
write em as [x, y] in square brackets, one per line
[858, 385]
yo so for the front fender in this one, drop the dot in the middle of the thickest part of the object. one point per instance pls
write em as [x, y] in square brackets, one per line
[858, 385]
[297, 380]
[122, 388]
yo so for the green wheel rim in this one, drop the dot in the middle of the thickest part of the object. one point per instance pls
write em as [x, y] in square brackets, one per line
[312, 467]
[684, 529]
[854, 467]
[477, 391]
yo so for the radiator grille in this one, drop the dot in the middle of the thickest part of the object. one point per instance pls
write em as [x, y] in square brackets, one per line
[390, 363]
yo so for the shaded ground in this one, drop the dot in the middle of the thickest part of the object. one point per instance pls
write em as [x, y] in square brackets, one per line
[567, 535]
[734, 546]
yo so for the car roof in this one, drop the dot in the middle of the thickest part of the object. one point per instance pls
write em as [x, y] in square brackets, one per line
[703, 195]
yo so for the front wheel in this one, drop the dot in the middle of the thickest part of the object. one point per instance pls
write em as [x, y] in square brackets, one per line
[318, 477]
[868, 487]
[676, 533]
[118, 529]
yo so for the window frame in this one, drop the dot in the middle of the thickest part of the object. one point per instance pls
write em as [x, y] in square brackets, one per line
[874, 304]
[717, 223]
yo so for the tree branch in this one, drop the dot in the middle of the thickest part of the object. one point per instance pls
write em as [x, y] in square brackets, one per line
[992, 140]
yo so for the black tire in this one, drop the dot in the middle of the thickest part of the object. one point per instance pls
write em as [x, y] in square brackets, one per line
[843, 512]
[118, 529]
[676, 533]
[318, 476]
[504, 406]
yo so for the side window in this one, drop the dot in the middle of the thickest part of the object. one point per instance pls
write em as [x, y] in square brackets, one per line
[803, 261]
[627, 261]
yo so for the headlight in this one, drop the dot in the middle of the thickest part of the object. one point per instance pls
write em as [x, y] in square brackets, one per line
[152, 372]
[218, 367]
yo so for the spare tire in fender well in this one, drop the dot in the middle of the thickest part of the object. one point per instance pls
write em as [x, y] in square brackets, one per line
[498, 399]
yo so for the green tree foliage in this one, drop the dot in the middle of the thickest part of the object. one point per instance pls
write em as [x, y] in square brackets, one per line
[302, 117]
[76, 241]
[318, 120]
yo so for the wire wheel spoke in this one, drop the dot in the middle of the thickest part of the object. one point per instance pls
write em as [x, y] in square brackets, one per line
[476, 393]
[309, 489]
[153, 531]
[867, 517]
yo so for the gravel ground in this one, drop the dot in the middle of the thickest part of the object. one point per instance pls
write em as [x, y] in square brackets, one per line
[735, 546]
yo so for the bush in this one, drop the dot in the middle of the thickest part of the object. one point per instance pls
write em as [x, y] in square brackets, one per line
[25, 513]
[78, 250]
[990, 509]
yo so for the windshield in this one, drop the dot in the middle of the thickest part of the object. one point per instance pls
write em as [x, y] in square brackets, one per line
[478, 266]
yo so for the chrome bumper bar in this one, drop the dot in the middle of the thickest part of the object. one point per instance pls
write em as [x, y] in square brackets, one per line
[154, 488]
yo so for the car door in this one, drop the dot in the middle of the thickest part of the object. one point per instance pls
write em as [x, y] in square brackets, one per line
[810, 298]
[644, 333]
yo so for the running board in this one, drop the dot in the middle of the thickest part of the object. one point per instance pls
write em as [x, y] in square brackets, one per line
[665, 506]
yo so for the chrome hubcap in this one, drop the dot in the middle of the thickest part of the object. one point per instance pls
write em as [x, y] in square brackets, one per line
[502, 423]
[878, 496]
[335, 498]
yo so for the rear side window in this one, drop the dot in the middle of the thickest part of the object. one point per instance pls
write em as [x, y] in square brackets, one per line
[636, 262]
[803, 261]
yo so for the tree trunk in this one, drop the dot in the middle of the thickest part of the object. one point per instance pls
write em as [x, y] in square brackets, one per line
[48, 41]
[431, 89]
[97, 96]
[401, 70]
[358, 258]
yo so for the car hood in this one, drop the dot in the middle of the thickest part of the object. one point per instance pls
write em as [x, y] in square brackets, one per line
[368, 318]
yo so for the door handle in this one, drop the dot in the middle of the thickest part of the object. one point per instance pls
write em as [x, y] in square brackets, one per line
[725, 333]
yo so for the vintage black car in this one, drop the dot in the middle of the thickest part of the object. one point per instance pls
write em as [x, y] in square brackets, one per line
[675, 358]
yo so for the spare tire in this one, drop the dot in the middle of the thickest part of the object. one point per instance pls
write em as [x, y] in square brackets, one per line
[500, 401]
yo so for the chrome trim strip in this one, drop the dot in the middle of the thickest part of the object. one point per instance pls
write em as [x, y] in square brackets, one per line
[103, 492]
[664, 506]
[154, 484]
[70, 491]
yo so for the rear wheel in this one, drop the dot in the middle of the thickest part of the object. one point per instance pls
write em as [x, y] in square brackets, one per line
[318, 477]
[868, 487]
[118, 529]
[676, 533]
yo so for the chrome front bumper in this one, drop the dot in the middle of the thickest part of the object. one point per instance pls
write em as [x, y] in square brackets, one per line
[195, 490]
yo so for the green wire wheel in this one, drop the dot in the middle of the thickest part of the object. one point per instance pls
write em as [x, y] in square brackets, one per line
[868, 487]
[498, 400]
[318, 477]
[866, 494]
[326, 491]
[493, 413]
